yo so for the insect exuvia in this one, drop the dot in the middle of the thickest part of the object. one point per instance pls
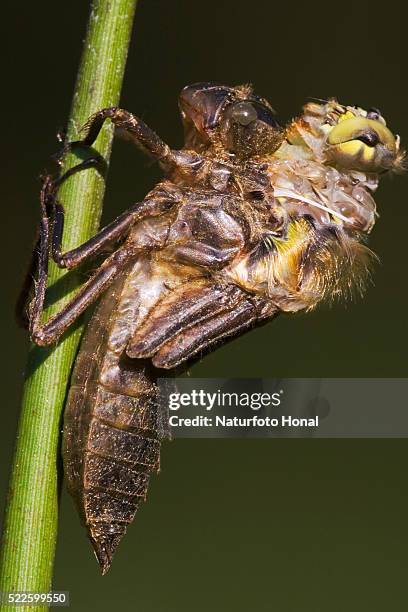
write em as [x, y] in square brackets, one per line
[250, 220]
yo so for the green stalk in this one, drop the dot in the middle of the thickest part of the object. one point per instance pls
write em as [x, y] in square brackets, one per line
[30, 527]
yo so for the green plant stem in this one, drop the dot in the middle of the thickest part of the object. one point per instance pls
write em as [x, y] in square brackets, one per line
[30, 526]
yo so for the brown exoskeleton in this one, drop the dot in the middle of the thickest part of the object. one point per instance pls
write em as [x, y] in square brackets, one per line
[250, 220]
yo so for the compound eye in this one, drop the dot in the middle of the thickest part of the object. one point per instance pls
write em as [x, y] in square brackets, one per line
[361, 143]
[370, 138]
[243, 113]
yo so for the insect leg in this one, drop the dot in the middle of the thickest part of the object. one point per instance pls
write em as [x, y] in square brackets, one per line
[70, 259]
[111, 233]
[205, 255]
[50, 205]
[204, 334]
[135, 128]
[48, 187]
[24, 293]
[158, 201]
[189, 305]
[49, 332]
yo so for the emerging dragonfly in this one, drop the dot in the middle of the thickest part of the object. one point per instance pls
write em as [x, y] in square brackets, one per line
[250, 220]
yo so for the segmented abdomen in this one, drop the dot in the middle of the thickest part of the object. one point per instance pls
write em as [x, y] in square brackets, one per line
[113, 424]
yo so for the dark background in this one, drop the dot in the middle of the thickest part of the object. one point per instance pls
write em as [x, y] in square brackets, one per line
[289, 525]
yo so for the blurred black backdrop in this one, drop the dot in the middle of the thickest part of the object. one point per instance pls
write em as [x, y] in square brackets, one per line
[231, 524]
